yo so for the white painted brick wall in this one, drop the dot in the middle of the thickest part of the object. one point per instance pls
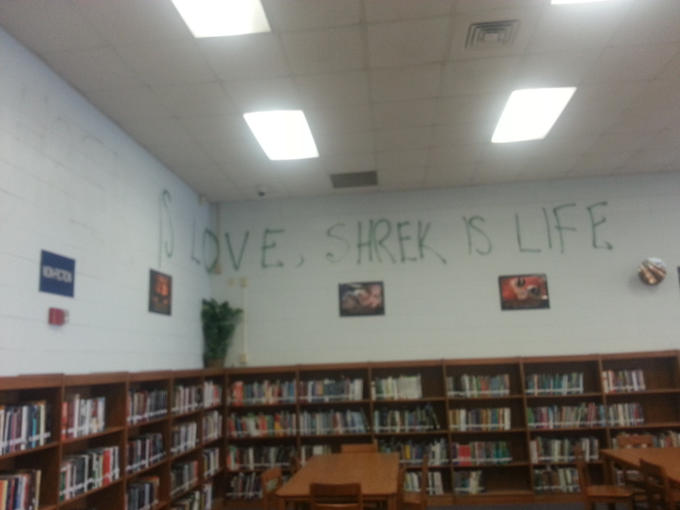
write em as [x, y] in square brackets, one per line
[73, 183]
[435, 310]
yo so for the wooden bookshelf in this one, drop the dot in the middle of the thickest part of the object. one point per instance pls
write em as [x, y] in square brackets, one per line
[349, 389]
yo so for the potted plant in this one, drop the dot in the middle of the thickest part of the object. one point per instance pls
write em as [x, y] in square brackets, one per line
[219, 322]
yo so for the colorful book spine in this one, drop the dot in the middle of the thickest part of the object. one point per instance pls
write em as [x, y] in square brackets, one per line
[397, 388]
[244, 486]
[88, 470]
[465, 420]
[259, 457]
[212, 394]
[625, 414]
[82, 416]
[144, 451]
[211, 461]
[420, 419]
[212, 426]
[561, 479]
[183, 476]
[555, 384]
[146, 405]
[20, 490]
[333, 422]
[623, 381]
[560, 417]
[468, 482]
[142, 493]
[187, 398]
[550, 449]
[184, 437]
[477, 453]
[279, 424]
[412, 452]
[24, 426]
[331, 390]
[470, 386]
[262, 392]
[435, 485]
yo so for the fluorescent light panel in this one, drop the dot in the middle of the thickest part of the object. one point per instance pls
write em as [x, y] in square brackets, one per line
[218, 18]
[282, 134]
[529, 114]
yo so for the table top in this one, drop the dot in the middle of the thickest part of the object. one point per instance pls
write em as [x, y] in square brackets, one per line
[377, 473]
[669, 458]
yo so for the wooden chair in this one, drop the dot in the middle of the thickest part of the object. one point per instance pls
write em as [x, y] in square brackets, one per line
[271, 480]
[631, 477]
[660, 495]
[635, 441]
[359, 448]
[295, 464]
[336, 496]
[594, 494]
[413, 500]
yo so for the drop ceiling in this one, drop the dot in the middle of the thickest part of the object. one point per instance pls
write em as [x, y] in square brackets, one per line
[387, 86]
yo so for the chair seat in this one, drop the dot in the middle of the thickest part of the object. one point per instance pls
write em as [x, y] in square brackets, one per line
[609, 492]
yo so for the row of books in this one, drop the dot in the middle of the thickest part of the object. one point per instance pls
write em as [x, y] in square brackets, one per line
[480, 419]
[244, 486]
[405, 420]
[621, 381]
[23, 427]
[262, 392]
[254, 457]
[183, 475]
[478, 385]
[435, 485]
[145, 405]
[212, 393]
[184, 436]
[480, 452]
[307, 451]
[331, 390]
[625, 414]
[211, 461]
[187, 398]
[554, 417]
[549, 449]
[394, 388]
[555, 384]
[412, 452]
[20, 490]
[561, 479]
[212, 425]
[334, 422]
[144, 451]
[200, 499]
[665, 439]
[260, 425]
[468, 482]
[82, 416]
[142, 494]
[88, 470]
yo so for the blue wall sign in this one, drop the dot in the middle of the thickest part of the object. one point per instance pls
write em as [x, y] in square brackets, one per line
[57, 274]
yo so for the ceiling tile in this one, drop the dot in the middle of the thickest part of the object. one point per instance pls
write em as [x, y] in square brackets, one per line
[547, 168]
[248, 57]
[458, 174]
[338, 120]
[91, 69]
[649, 22]
[392, 10]
[476, 76]
[46, 25]
[214, 182]
[445, 156]
[170, 63]
[330, 144]
[400, 114]
[554, 69]
[125, 22]
[347, 88]
[348, 162]
[462, 133]
[124, 104]
[470, 108]
[526, 19]
[405, 83]
[404, 138]
[221, 128]
[630, 63]
[324, 51]
[258, 95]
[488, 5]
[401, 159]
[309, 14]
[577, 27]
[600, 163]
[408, 43]
[195, 99]
[401, 178]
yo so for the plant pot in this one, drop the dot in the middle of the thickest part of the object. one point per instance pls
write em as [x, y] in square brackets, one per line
[213, 362]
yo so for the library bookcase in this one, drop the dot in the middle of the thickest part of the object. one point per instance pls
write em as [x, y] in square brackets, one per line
[497, 430]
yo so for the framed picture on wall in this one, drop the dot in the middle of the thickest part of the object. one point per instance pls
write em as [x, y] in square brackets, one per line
[524, 291]
[361, 298]
[160, 293]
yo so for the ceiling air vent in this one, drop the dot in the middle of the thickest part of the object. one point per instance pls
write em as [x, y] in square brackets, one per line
[355, 179]
[488, 35]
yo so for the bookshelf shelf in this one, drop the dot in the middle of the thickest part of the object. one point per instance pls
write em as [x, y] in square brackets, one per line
[647, 381]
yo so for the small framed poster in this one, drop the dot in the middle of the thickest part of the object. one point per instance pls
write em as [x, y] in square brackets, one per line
[160, 293]
[524, 291]
[361, 298]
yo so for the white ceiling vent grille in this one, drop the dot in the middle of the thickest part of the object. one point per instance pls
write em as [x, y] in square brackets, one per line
[488, 35]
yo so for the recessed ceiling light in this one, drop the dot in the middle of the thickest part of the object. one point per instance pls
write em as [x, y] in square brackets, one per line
[218, 18]
[565, 2]
[529, 114]
[282, 134]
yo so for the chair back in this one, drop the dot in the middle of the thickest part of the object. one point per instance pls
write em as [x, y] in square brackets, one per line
[657, 486]
[424, 477]
[336, 496]
[271, 480]
[582, 468]
[635, 441]
[295, 464]
[359, 448]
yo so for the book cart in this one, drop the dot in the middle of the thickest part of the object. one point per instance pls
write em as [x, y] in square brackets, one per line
[496, 430]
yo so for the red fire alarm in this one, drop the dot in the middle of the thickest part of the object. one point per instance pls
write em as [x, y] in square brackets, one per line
[57, 317]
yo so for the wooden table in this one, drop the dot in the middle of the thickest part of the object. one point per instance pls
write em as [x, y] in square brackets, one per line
[377, 473]
[669, 458]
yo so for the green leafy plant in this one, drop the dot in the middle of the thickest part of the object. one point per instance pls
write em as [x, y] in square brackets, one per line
[219, 322]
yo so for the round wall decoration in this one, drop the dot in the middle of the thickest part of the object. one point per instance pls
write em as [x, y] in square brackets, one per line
[652, 271]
